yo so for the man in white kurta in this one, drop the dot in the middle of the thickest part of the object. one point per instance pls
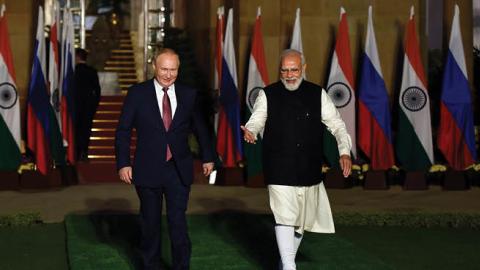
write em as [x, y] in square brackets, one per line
[299, 201]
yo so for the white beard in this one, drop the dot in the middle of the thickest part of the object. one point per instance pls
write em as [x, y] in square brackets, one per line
[290, 86]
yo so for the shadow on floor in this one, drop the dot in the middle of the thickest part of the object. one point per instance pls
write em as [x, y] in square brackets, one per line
[248, 239]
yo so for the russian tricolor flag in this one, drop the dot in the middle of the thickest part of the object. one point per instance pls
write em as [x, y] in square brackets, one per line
[229, 144]
[68, 49]
[38, 104]
[374, 125]
[456, 137]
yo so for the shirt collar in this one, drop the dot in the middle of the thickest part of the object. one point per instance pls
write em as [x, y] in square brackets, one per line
[160, 88]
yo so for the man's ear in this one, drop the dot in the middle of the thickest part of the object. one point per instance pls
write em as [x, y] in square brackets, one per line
[304, 67]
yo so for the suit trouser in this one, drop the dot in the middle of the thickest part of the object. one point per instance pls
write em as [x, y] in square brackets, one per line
[176, 197]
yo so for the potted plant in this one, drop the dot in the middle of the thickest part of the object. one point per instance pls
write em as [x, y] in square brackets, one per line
[472, 174]
[436, 174]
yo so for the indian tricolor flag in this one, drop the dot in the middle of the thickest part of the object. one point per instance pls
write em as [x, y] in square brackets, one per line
[218, 54]
[296, 42]
[257, 79]
[9, 103]
[414, 138]
[54, 61]
[341, 91]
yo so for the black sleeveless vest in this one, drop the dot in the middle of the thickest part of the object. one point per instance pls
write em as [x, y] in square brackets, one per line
[292, 141]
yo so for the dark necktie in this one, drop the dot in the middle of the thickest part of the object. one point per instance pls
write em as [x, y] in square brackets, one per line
[167, 117]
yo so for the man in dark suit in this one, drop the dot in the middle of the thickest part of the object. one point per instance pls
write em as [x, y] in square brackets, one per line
[87, 97]
[163, 113]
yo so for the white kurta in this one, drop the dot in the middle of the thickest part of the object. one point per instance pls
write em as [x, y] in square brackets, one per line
[305, 208]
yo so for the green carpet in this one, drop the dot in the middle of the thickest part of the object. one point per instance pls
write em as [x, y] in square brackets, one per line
[235, 240]
[39, 246]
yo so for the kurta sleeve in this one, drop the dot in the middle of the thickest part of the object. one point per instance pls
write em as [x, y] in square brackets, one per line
[257, 120]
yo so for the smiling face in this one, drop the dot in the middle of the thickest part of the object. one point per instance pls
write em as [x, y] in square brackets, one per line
[291, 70]
[166, 68]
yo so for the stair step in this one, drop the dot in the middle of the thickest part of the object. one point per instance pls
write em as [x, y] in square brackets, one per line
[127, 80]
[117, 106]
[101, 157]
[126, 64]
[111, 122]
[102, 142]
[111, 99]
[121, 51]
[111, 103]
[125, 85]
[118, 62]
[120, 56]
[120, 68]
[106, 147]
[105, 124]
[103, 132]
[108, 112]
[107, 115]
[106, 132]
[103, 138]
[129, 76]
[109, 143]
[102, 129]
[106, 151]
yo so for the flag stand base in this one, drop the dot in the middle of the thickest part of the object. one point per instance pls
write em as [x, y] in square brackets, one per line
[415, 180]
[376, 180]
[334, 179]
[34, 179]
[198, 177]
[10, 180]
[230, 177]
[455, 180]
[256, 181]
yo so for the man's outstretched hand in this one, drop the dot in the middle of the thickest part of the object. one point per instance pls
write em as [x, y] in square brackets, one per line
[248, 136]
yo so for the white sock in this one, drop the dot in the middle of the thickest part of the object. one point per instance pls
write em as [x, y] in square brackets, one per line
[286, 245]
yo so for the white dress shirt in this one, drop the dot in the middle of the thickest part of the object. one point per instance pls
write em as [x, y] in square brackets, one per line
[171, 94]
[330, 117]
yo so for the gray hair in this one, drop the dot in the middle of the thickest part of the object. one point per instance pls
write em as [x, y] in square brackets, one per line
[289, 52]
[163, 50]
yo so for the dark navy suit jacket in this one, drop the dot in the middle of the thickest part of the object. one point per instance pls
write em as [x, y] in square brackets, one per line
[140, 111]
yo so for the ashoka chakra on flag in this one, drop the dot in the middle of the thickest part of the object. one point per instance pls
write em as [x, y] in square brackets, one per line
[8, 95]
[252, 97]
[340, 94]
[414, 98]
